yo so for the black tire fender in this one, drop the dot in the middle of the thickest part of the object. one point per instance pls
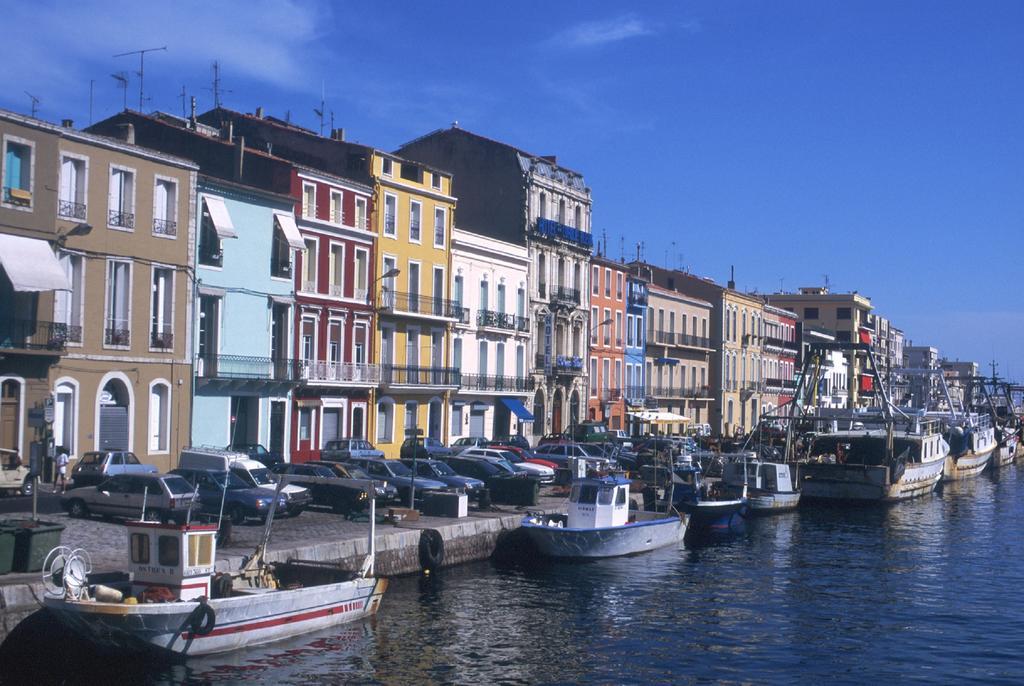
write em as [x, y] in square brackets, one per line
[431, 549]
[203, 619]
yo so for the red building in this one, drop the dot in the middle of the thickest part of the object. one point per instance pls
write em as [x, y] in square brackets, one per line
[607, 342]
[334, 316]
[778, 360]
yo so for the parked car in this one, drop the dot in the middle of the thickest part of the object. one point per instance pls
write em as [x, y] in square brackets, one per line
[590, 432]
[166, 497]
[426, 448]
[253, 473]
[395, 472]
[14, 475]
[343, 496]
[483, 470]
[241, 501]
[440, 471]
[256, 451]
[97, 466]
[560, 455]
[465, 442]
[385, 492]
[344, 449]
[525, 454]
[540, 472]
[554, 439]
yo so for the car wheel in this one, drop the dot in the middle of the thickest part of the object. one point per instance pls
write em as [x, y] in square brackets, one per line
[237, 514]
[27, 486]
[78, 509]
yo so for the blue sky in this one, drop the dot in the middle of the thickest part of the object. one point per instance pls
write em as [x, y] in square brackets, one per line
[879, 143]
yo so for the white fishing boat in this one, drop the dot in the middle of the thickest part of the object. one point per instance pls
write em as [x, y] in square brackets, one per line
[769, 485]
[600, 524]
[174, 603]
[972, 441]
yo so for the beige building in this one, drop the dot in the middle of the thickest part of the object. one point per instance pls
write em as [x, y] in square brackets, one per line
[96, 336]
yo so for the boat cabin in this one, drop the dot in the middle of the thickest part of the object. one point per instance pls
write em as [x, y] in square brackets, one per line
[598, 503]
[760, 476]
[179, 558]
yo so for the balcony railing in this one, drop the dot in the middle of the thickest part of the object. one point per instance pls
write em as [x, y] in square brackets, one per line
[679, 339]
[339, 372]
[71, 209]
[637, 299]
[611, 395]
[488, 382]
[165, 227]
[497, 320]
[635, 394]
[336, 290]
[414, 231]
[419, 376]
[414, 303]
[522, 324]
[783, 384]
[549, 228]
[161, 340]
[568, 364]
[564, 294]
[389, 223]
[125, 220]
[245, 367]
[463, 314]
[116, 335]
[32, 334]
[771, 341]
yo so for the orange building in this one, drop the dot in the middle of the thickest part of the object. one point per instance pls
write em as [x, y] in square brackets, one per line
[607, 357]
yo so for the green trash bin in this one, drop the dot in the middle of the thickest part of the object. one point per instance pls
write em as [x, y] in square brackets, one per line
[6, 549]
[32, 542]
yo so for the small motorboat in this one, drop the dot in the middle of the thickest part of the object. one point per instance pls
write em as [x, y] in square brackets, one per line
[769, 485]
[712, 509]
[599, 523]
[175, 604]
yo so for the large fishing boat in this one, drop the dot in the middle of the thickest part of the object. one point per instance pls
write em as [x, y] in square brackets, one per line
[972, 441]
[768, 485]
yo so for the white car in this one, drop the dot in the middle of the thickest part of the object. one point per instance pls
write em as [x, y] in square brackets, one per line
[545, 474]
[622, 437]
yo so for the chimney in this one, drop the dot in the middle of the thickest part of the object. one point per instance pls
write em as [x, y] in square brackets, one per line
[550, 158]
[67, 123]
[338, 134]
[732, 277]
[228, 132]
[239, 158]
[127, 133]
[259, 112]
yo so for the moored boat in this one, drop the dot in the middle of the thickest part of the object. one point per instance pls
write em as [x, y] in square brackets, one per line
[972, 442]
[769, 485]
[712, 509]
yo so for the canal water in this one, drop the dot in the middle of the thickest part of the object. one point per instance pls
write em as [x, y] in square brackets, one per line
[924, 591]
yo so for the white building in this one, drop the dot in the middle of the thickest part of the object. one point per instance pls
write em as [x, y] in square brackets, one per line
[834, 373]
[491, 341]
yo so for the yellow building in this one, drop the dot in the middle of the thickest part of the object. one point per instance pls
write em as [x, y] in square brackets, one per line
[413, 217]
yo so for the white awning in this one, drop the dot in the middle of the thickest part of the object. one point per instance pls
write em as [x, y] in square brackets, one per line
[220, 217]
[31, 265]
[659, 417]
[291, 232]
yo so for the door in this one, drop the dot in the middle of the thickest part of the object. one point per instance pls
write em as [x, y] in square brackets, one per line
[277, 426]
[414, 287]
[438, 292]
[10, 394]
[434, 419]
[476, 421]
[331, 426]
[113, 427]
[358, 422]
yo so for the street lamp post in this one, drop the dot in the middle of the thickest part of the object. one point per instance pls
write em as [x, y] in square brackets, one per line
[415, 435]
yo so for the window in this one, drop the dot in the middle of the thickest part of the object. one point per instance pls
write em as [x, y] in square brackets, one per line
[162, 309]
[606, 327]
[595, 280]
[593, 377]
[309, 266]
[280, 254]
[521, 303]
[140, 548]
[337, 271]
[165, 206]
[159, 417]
[117, 324]
[499, 359]
[67, 305]
[414, 221]
[561, 210]
[17, 172]
[542, 275]
[359, 343]
[500, 304]
[412, 348]
[542, 212]
[457, 291]
[457, 353]
[671, 322]
[411, 172]
[309, 200]
[168, 552]
[457, 420]
[121, 200]
[200, 550]
[71, 196]
[435, 181]
[414, 286]
[411, 411]
[844, 313]
[337, 212]
[387, 167]
[361, 213]
[594, 326]
[307, 340]
[387, 345]
[334, 336]
[440, 219]
[579, 217]
[210, 253]
[484, 295]
[482, 358]
[843, 336]
[305, 423]
[618, 329]
[810, 313]
[520, 362]
[361, 276]
[606, 376]
[390, 215]
[630, 333]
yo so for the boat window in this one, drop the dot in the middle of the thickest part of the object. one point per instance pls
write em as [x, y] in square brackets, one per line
[588, 495]
[200, 550]
[140, 548]
[574, 495]
[620, 497]
[168, 551]
[605, 496]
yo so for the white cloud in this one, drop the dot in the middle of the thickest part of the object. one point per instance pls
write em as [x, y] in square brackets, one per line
[602, 32]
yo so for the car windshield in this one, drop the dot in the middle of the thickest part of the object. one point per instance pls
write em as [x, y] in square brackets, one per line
[397, 468]
[233, 482]
[259, 450]
[263, 477]
[177, 486]
[356, 472]
[433, 443]
[591, 450]
[465, 441]
[442, 469]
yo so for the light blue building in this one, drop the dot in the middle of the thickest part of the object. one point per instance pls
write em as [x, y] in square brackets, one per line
[636, 343]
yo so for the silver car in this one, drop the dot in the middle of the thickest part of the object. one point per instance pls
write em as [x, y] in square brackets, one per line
[345, 449]
[165, 497]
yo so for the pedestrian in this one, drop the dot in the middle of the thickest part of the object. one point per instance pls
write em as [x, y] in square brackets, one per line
[62, 469]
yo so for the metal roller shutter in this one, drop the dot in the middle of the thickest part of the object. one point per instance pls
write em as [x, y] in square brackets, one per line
[113, 427]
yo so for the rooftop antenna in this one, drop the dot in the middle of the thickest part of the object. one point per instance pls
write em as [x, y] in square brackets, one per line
[92, 82]
[994, 366]
[142, 67]
[35, 103]
[671, 254]
[320, 112]
[216, 88]
[184, 102]
[622, 248]
[122, 82]
[828, 284]
[781, 279]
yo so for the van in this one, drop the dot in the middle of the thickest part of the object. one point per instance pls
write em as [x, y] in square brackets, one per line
[250, 471]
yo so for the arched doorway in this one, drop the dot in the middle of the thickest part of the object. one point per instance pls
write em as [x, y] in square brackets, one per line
[358, 421]
[538, 414]
[65, 417]
[10, 414]
[574, 407]
[556, 412]
[114, 412]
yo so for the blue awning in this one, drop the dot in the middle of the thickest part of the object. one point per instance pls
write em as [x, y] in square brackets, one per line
[518, 408]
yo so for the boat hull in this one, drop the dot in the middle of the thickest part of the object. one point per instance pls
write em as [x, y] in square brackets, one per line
[966, 466]
[715, 516]
[1006, 453]
[240, 621]
[635, 537]
[829, 481]
[770, 503]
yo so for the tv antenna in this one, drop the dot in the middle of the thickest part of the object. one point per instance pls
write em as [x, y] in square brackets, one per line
[184, 102]
[320, 112]
[142, 67]
[217, 90]
[122, 82]
[35, 103]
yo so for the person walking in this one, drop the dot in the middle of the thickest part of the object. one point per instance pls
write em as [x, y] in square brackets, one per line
[62, 469]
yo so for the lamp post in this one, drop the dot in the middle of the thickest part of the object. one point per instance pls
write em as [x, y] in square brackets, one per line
[389, 274]
[415, 435]
[590, 333]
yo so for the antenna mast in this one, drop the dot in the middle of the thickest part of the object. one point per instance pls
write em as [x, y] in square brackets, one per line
[35, 103]
[320, 112]
[142, 67]
[122, 82]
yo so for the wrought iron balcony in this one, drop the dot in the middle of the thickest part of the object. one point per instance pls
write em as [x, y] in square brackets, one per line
[339, 372]
[414, 231]
[506, 384]
[125, 220]
[637, 298]
[245, 367]
[635, 394]
[780, 384]
[684, 391]
[549, 228]
[679, 340]
[163, 340]
[611, 395]
[564, 294]
[413, 303]
[419, 376]
[116, 335]
[568, 364]
[32, 334]
[71, 209]
[463, 315]
[497, 320]
[165, 227]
